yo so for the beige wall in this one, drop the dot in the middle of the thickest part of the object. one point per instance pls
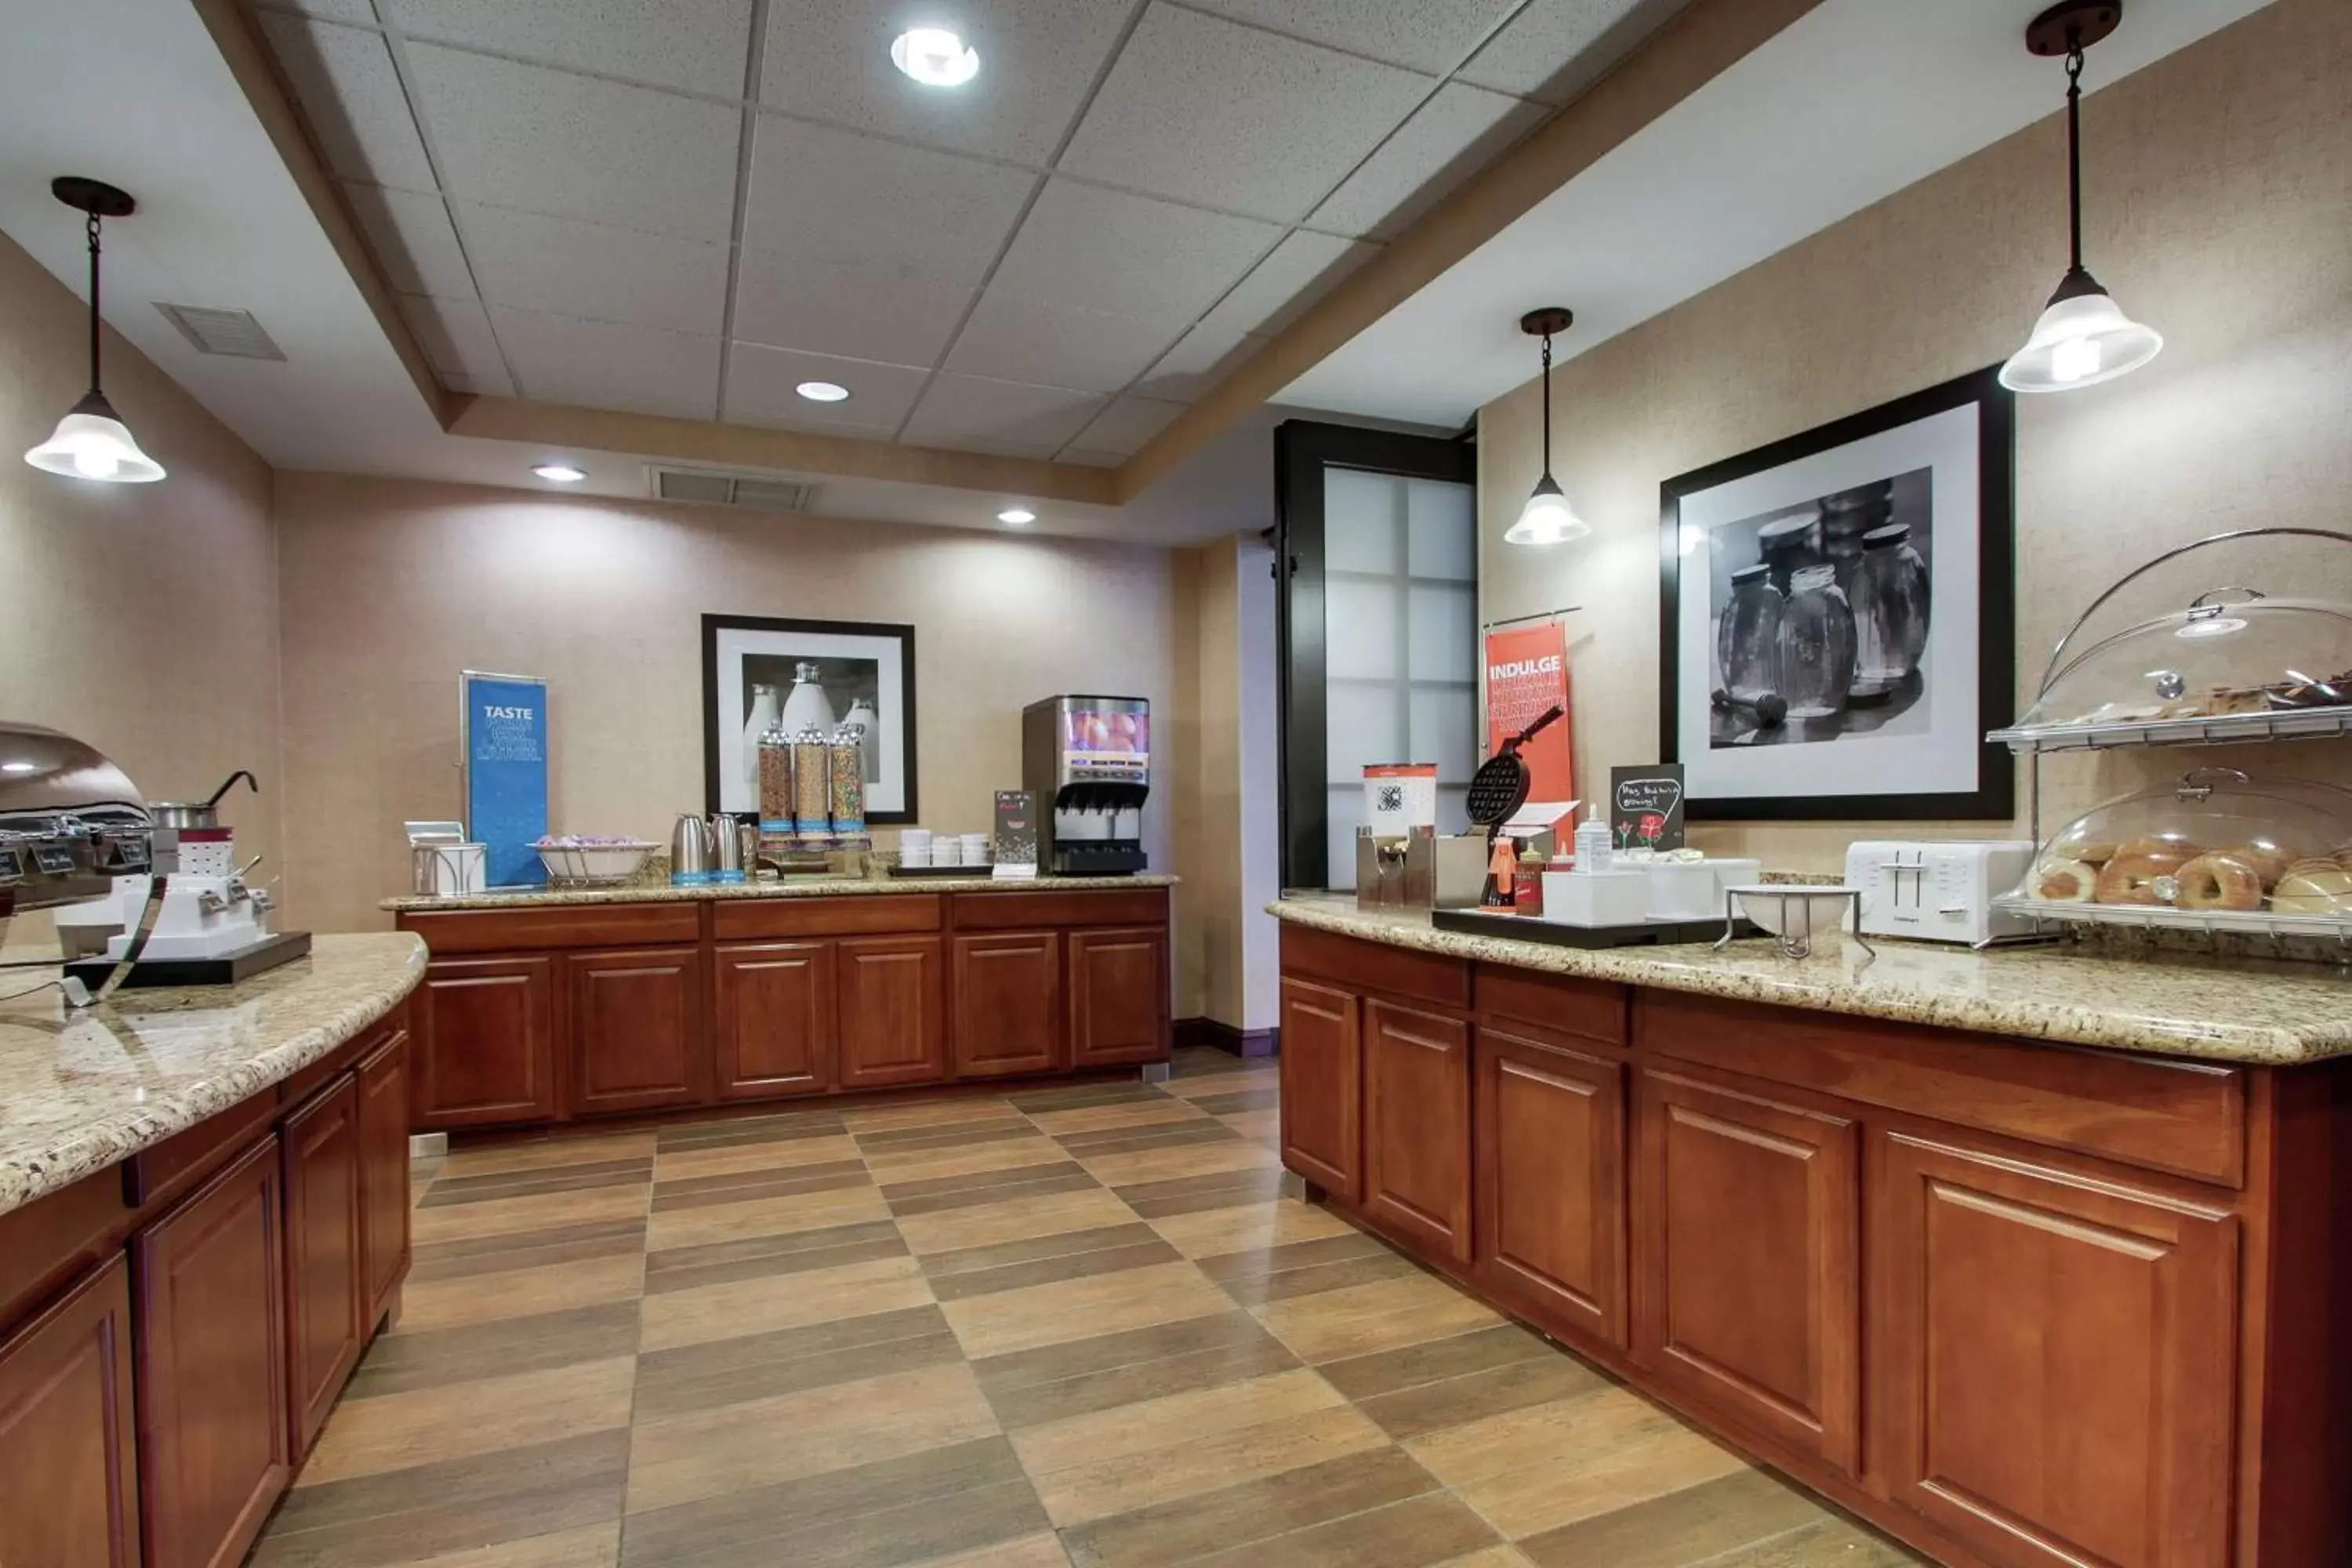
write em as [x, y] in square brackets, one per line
[2218, 187]
[391, 587]
[140, 618]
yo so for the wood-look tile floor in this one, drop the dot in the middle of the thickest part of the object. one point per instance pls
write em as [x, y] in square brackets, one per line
[1079, 1325]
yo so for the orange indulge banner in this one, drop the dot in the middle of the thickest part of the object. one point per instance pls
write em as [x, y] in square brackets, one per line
[1527, 672]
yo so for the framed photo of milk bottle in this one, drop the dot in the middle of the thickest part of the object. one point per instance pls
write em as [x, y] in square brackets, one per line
[760, 673]
[1838, 621]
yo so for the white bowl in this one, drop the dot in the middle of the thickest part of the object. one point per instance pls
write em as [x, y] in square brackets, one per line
[1809, 908]
[599, 863]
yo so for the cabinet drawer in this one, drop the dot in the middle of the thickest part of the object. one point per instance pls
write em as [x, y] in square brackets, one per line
[2185, 1116]
[1359, 965]
[1022, 911]
[1590, 1009]
[861, 914]
[555, 926]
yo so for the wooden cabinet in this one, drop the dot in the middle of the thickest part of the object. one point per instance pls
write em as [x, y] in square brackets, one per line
[1417, 1126]
[1007, 990]
[1322, 1066]
[67, 1496]
[634, 1029]
[2053, 1359]
[1747, 1238]
[892, 1018]
[1549, 1136]
[485, 1042]
[382, 1077]
[1118, 996]
[326, 1283]
[775, 1019]
[211, 1347]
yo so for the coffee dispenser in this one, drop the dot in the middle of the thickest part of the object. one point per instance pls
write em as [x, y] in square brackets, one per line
[1087, 760]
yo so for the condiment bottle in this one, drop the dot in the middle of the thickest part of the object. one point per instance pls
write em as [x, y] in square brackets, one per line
[1526, 887]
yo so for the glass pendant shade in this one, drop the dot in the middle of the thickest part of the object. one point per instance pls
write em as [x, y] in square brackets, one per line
[2082, 339]
[93, 443]
[1546, 519]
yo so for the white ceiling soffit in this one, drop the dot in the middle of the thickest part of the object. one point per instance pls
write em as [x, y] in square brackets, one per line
[1850, 103]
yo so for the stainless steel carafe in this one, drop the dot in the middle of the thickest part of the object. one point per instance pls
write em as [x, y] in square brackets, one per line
[691, 851]
[735, 843]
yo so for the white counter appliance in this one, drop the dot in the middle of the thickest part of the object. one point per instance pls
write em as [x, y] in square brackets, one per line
[1939, 891]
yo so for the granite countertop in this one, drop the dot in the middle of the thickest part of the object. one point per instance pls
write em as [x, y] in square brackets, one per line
[783, 888]
[83, 1091]
[2277, 1014]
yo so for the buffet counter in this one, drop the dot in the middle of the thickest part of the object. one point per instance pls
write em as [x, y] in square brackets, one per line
[235, 1161]
[662, 893]
[2030, 1258]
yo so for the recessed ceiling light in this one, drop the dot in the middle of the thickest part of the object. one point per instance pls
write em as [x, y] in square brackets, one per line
[935, 56]
[1016, 515]
[822, 392]
[559, 473]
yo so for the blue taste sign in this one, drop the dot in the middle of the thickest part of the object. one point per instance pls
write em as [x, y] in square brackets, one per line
[504, 728]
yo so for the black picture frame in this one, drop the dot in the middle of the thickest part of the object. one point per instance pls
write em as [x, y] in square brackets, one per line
[1992, 794]
[903, 635]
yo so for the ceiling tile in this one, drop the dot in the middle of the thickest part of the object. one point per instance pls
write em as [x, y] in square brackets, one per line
[700, 46]
[1124, 428]
[1057, 345]
[830, 59]
[891, 308]
[545, 141]
[759, 383]
[1211, 112]
[1554, 51]
[351, 96]
[1447, 139]
[1130, 256]
[455, 337]
[1203, 357]
[1280, 288]
[824, 195]
[410, 233]
[969, 414]
[575, 269]
[1424, 34]
[606, 365]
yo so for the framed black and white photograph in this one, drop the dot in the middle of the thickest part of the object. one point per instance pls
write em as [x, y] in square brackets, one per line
[758, 673]
[1838, 619]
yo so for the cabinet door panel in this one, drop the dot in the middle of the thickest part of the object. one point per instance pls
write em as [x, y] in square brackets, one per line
[775, 1019]
[1118, 996]
[1323, 1088]
[211, 1337]
[893, 1011]
[1747, 1235]
[1417, 1126]
[485, 1042]
[635, 1026]
[384, 1173]
[1008, 1004]
[325, 1282]
[67, 1462]
[1551, 1146]
[2055, 1360]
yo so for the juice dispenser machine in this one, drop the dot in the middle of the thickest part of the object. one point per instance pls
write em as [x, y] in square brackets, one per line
[1087, 760]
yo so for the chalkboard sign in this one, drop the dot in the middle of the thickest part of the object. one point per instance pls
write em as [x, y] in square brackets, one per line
[1646, 808]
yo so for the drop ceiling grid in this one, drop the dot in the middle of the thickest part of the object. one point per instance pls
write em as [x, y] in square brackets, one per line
[1277, 281]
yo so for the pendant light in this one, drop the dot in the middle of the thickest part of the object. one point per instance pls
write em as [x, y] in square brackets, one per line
[1546, 519]
[2084, 337]
[91, 442]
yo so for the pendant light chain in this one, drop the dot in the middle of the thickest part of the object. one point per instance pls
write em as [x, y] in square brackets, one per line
[95, 381]
[2074, 150]
[1546, 405]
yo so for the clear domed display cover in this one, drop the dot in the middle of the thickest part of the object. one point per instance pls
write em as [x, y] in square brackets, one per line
[2232, 651]
[2216, 843]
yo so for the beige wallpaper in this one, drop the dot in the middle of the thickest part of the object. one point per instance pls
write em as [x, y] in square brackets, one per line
[142, 618]
[392, 588]
[2218, 206]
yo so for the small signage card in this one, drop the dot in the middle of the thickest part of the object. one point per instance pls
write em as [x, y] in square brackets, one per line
[502, 733]
[1017, 834]
[1646, 808]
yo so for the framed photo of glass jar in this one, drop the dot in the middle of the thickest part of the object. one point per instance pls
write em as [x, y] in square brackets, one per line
[1838, 621]
[760, 673]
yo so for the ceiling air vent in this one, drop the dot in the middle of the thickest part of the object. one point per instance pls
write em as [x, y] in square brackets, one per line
[753, 492]
[232, 332]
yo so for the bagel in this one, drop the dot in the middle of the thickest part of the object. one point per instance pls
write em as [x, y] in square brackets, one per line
[2064, 881]
[2270, 859]
[2219, 881]
[2315, 891]
[2130, 876]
